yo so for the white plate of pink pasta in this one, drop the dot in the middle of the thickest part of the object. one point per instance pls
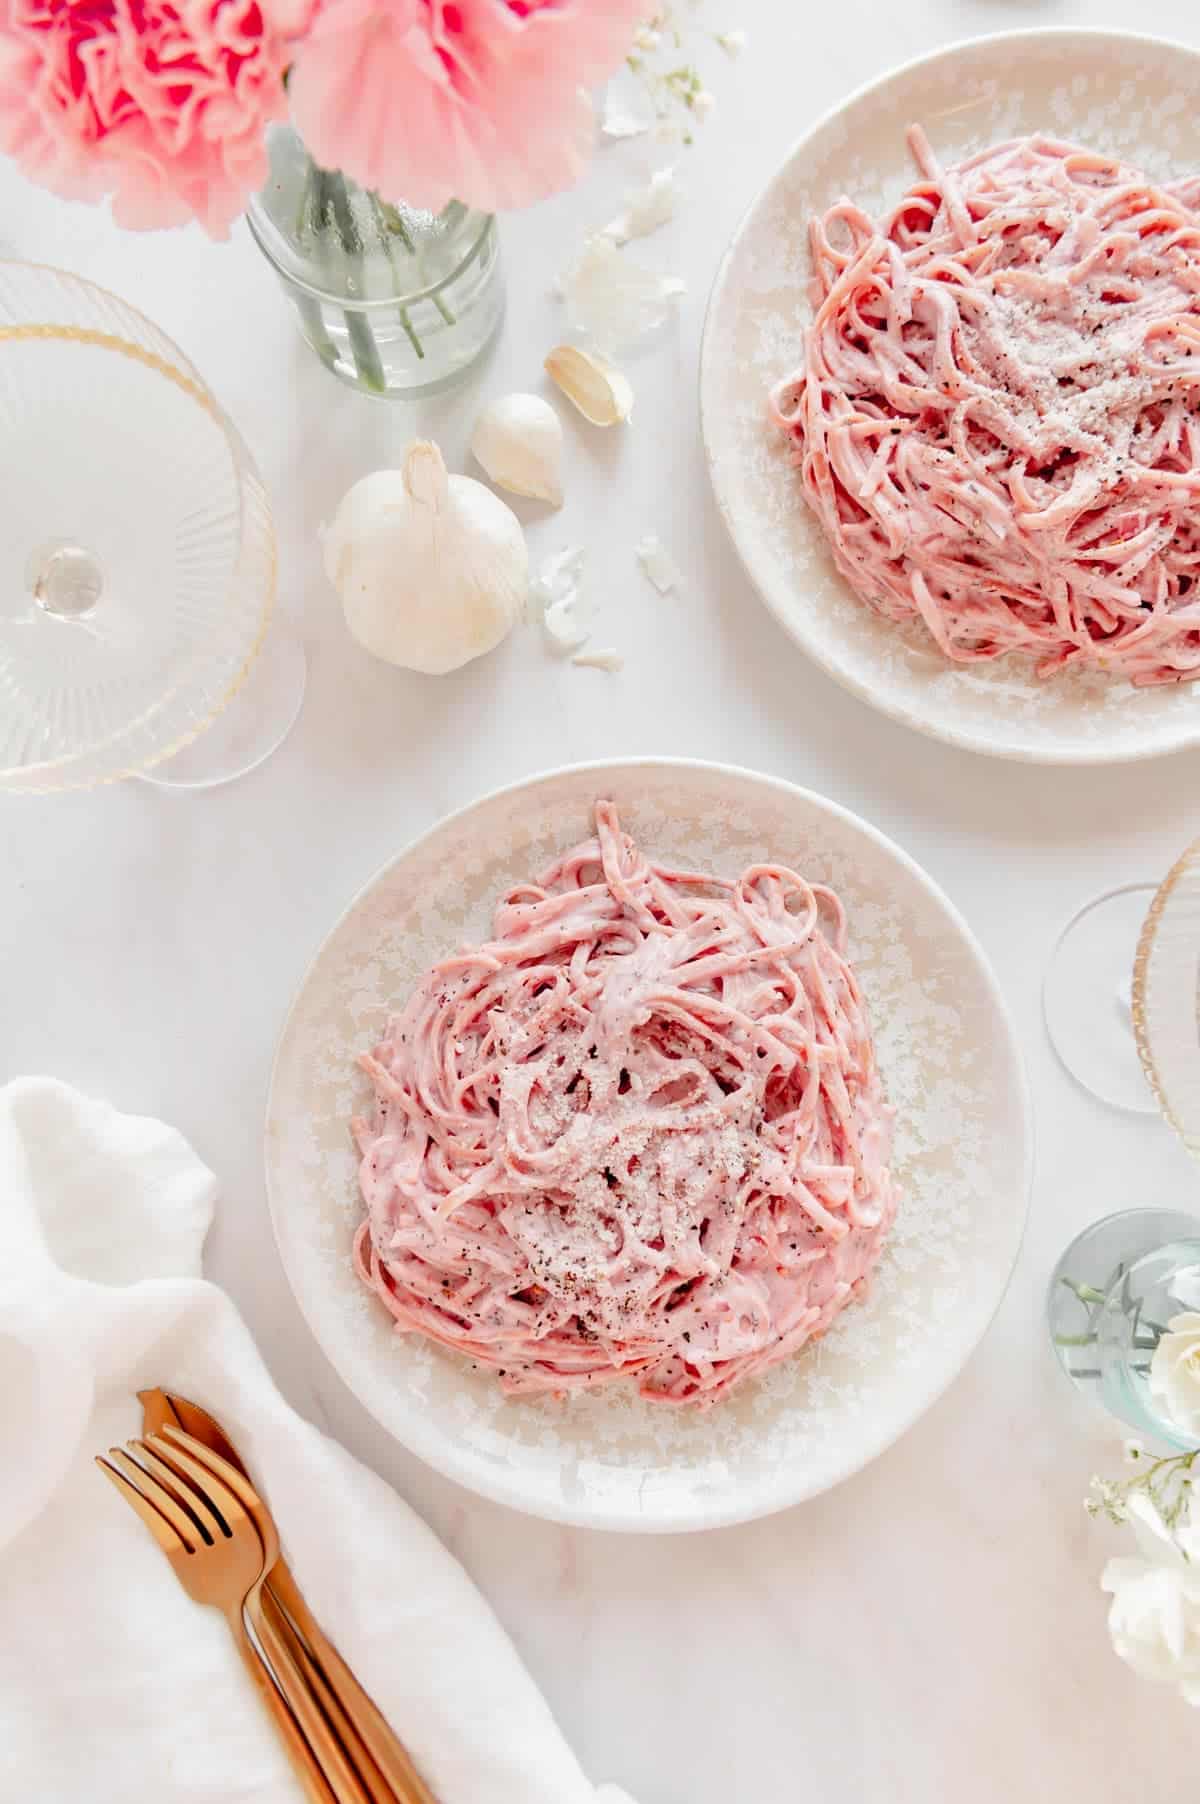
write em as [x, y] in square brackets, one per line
[950, 390]
[647, 1145]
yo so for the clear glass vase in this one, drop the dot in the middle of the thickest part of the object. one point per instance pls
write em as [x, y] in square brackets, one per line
[394, 300]
[1114, 1293]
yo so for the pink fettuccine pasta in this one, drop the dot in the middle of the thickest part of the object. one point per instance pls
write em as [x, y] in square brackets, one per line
[997, 415]
[637, 1134]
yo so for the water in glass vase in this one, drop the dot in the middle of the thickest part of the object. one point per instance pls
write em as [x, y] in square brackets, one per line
[394, 300]
[1115, 1292]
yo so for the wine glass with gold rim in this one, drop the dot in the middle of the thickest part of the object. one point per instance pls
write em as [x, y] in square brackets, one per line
[137, 555]
[1129, 1279]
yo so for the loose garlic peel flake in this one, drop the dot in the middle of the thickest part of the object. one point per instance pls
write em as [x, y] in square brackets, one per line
[557, 593]
[606, 659]
[658, 565]
[432, 570]
[613, 300]
[646, 208]
[600, 391]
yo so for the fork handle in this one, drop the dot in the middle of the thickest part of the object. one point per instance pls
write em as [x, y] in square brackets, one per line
[387, 1751]
[298, 1751]
[379, 1788]
[377, 1733]
[331, 1756]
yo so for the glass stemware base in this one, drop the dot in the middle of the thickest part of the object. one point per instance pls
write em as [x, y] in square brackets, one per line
[255, 723]
[1086, 998]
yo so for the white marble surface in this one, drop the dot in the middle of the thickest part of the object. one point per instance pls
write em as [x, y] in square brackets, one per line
[933, 1629]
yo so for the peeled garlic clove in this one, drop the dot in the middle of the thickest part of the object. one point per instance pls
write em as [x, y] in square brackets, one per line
[519, 442]
[599, 390]
[432, 569]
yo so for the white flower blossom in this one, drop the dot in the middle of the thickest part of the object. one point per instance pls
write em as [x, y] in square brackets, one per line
[1175, 1374]
[1154, 1618]
[1185, 1286]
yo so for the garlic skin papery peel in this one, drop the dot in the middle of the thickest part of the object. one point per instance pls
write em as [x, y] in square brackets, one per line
[612, 300]
[558, 600]
[518, 440]
[646, 208]
[432, 570]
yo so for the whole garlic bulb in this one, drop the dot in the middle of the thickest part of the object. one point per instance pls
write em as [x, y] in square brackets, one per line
[432, 569]
[519, 441]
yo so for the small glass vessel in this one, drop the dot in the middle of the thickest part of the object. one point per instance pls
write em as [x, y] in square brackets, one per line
[394, 300]
[1113, 1295]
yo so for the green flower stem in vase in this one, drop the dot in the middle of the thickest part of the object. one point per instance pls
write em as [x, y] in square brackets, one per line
[332, 188]
[386, 233]
[394, 224]
[307, 307]
[393, 300]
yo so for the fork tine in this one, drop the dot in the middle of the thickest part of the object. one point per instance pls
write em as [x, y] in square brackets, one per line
[197, 1507]
[157, 1494]
[220, 1469]
[159, 1527]
[177, 1451]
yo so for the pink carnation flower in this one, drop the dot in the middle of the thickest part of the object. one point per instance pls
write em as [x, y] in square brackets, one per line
[161, 103]
[479, 100]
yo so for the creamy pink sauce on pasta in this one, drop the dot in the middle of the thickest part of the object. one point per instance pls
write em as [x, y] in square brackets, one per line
[997, 415]
[638, 1134]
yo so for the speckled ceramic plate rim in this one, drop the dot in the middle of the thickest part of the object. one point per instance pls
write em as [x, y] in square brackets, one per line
[773, 585]
[429, 1444]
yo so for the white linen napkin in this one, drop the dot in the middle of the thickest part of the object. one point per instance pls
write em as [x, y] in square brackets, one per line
[113, 1686]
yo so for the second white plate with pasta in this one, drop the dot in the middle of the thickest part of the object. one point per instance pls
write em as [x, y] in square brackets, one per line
[614, 1457]
[1125, 97]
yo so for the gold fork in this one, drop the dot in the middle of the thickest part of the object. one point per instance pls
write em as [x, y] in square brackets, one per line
[202, 1488]
[350, 1709]
[220, 1574]
[398, 1782]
